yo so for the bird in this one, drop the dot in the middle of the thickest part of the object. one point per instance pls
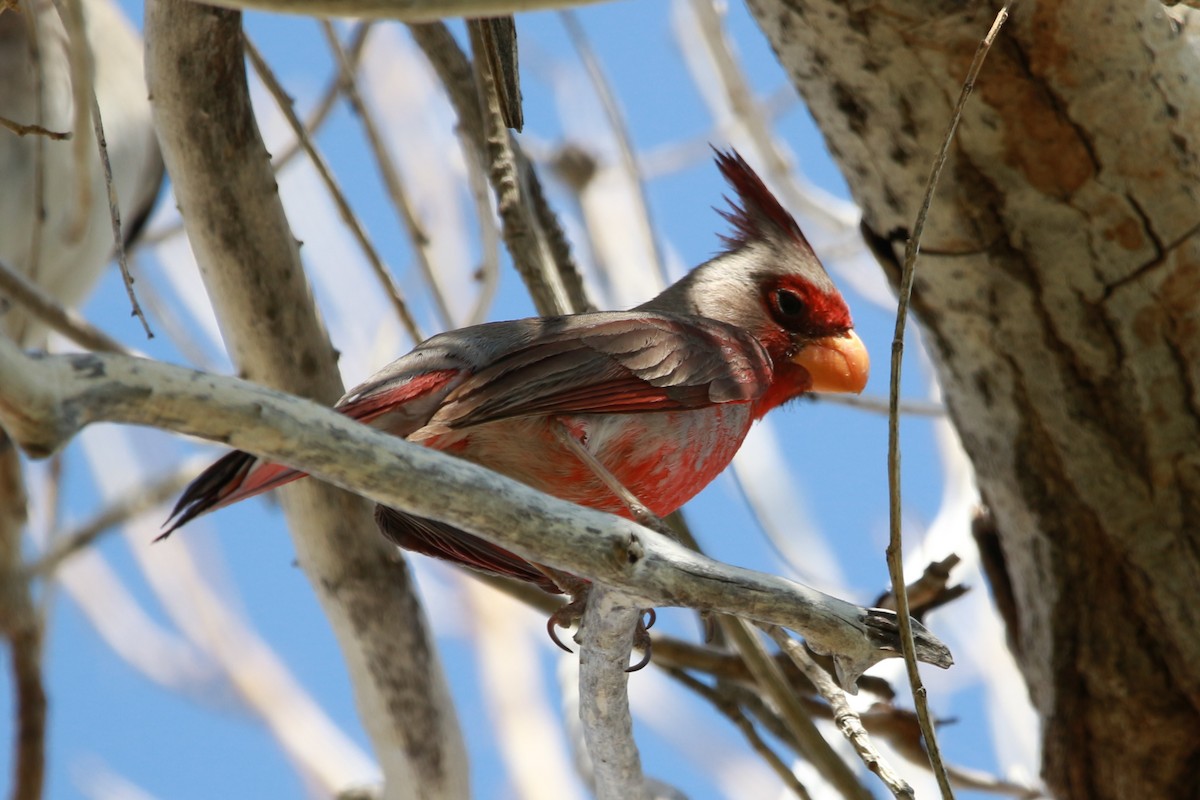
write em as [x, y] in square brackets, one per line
[631, 412]
[44, 194]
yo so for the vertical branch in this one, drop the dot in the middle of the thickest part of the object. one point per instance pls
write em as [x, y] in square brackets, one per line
[895, 549]
[607, 624]
[19, 624]
[530, 253]
[250, 263]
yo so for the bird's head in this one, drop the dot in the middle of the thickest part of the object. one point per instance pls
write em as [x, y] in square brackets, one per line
[768, 281]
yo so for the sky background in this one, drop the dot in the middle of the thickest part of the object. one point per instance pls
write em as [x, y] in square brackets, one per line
[818, 469]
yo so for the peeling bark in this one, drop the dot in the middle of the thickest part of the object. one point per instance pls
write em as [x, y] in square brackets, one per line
[1060, 288]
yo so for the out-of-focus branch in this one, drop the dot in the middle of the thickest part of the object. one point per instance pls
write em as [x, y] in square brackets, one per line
[847, 720]
[620, 130]
[749, 111]
[931, 590]
[799, 723]
[250, 262]
[351, 221]
[316, 118]
[20, 625]
[390, 174]
[118, 512]
[40, 304]
[403, 10]
[732, 709]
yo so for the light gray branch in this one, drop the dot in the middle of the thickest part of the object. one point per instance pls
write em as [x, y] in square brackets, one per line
[605, 631]
[46, 400]
[249, 260]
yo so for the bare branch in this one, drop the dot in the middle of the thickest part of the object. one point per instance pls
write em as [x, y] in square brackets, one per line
[250, 262]
[33, 130]
[45, 401]
[45, 308]
[605, 636]
[380, 270]
[19, 624]
[895, 549]
[731, 709]
[847, 720]
[812, 745]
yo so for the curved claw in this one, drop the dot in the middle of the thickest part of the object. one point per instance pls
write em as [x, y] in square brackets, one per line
[551, 624]
[639, 665]
[641, 639]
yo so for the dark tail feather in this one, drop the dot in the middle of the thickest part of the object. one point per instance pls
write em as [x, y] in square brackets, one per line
[440, 540]
[214, 485]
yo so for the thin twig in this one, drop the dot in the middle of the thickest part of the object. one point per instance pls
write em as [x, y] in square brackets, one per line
[390, 174]
[895, 549]
[320, 110]
[844, 717]
[911, 408]
[729, 707]
[284, 102]
[114, 212]
[46, 309]
[799, 722]
[115, 514]
[33, 130]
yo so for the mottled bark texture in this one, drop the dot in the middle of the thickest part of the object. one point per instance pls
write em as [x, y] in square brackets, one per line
[251, 267]
[1060, 291]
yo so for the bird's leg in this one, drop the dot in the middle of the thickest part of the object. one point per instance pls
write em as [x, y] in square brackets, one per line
[639, 512]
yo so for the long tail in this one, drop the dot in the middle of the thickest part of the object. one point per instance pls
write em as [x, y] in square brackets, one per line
[234, 477]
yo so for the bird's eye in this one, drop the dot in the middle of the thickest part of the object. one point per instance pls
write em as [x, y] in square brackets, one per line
[789, 305]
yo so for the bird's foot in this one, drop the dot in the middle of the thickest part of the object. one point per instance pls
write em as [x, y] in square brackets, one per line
[567, 616]
[570, 614]
[641, 637]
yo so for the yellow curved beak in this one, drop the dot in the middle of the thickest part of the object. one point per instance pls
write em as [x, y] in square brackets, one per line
[836, 363]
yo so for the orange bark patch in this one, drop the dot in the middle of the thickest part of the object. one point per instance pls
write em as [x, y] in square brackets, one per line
[1127, 233]
[1039, 141]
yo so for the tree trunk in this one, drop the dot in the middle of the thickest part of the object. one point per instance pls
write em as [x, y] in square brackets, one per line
[1060, 290]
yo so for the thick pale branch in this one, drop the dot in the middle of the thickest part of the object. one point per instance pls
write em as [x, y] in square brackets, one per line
[607, 628]
[250, 262]
[44, 401]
